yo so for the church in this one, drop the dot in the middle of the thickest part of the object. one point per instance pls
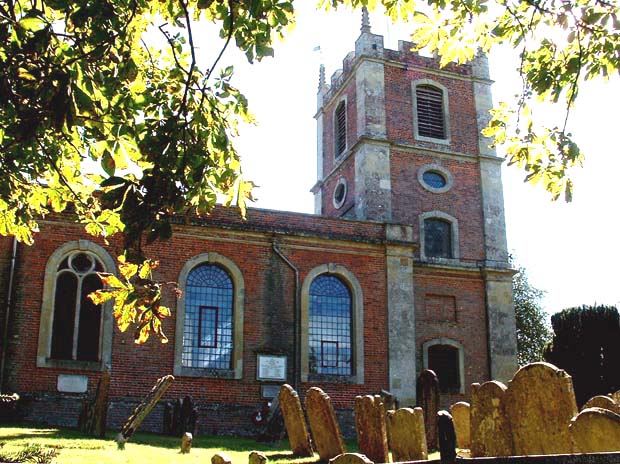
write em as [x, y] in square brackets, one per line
[404, 266]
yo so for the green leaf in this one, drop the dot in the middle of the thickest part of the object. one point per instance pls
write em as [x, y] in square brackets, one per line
[108, 164]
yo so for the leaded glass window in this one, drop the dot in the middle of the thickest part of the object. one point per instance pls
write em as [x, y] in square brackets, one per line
[330, 326]
[208, 326]
[437, 238]
[76, 326]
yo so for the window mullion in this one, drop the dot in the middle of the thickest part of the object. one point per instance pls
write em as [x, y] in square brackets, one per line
[76, 322]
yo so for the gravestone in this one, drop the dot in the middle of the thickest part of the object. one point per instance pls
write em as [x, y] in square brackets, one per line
[323, 424]
[370, 427]
[186, 443]
[427, 394]
[93, 417]
[446, 437]
[602, 401]
[460, 417]
[596, 430]
[350, 458]
[143, 409]
[221, 458]
[180, 417]
[540, 403]
[408, 438]
[256, 457]
[490, 431]
[272, 430]
[295, 422]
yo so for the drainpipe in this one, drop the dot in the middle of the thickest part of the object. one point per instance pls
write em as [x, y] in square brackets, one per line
[7, 314]
[296, 319]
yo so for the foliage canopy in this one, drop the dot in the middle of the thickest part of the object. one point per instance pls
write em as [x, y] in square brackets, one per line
[96, 115]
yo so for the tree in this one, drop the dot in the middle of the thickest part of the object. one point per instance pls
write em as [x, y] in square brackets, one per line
[84, 85]
[532, 328]
[586, 344]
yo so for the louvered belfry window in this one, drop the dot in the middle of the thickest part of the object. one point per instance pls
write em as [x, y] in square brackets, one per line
[431, 121]
[341, 128]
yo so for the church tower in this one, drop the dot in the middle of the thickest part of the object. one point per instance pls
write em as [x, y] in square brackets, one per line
[399, 142]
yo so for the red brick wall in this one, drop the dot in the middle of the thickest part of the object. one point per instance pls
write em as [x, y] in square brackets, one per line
[349, 91]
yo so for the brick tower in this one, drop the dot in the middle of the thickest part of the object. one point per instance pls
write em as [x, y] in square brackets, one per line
[399, 142]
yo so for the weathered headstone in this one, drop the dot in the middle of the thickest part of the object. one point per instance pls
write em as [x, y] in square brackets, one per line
[490, 431]
[143, 409]
[221, 458]
[596, 430]
[407, 436]
[93, 417]
[186, 443]
[272, 430]
[446, 437]
[540, 403]
[602, 401]
[370, 426]
[323, 424]
[350, 458]
[460, 417]
[615, 396]
[427, 393]
[295, 421]
[256, 457]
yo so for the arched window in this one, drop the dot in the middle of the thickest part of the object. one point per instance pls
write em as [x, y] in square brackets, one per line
[340, 128]
[330, 326]
[74, 332]
[445, 357]
[209, 318]
[430, 110]
[208, 327]
[439, 236]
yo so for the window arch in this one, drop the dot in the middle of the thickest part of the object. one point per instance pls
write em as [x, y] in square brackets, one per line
[332, 325]
[446, 358]
[209, 322]
[340, 128]
[439, 236]
[73, 332]
[430, 111]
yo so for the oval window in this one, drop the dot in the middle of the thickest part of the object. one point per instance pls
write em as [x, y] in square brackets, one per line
[434, 179]
[340, 193]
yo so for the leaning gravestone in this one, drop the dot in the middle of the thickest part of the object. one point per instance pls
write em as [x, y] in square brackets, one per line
[370, 426]
[540, 403]
[407, 438]
[92, 420]
[460, 416]
[602, 401]
[427, 393]
[294, 420]
[490, 431]
[323, 424]
[350, 458]
[221, 458]
[596, 430]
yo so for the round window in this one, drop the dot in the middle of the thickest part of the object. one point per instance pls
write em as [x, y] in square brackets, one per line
[340, 193]
[434, 179]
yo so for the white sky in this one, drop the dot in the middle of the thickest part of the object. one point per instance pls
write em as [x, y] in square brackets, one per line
[569, 250]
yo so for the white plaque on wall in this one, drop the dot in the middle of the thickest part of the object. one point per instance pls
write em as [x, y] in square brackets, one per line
[72, 383]
[271, 367]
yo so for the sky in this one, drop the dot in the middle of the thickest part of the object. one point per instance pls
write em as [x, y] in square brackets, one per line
[568, 250]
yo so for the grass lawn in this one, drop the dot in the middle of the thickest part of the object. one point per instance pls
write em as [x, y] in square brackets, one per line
[72, 447]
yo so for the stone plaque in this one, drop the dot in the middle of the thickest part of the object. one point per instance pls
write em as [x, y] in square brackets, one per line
[269, 391]
[540, 403]
[490, 431]
[271, 367]
[596, 430]
[370, 426]
[407, 435]
[323, 424]
[72, 383]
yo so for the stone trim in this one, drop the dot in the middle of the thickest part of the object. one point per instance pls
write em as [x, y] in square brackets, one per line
[47, 310]
[435, 168]
[447, 341]
[446, 111]
[357, 300]
[238, 308]
[455, 237]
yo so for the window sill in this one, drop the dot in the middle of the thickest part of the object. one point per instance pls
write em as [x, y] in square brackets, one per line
[332, 378]
[70, 364]
[199, 372]
[422, 138]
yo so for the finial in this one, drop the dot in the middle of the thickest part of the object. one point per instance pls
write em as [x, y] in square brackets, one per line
[321, 76]
[365, 20]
